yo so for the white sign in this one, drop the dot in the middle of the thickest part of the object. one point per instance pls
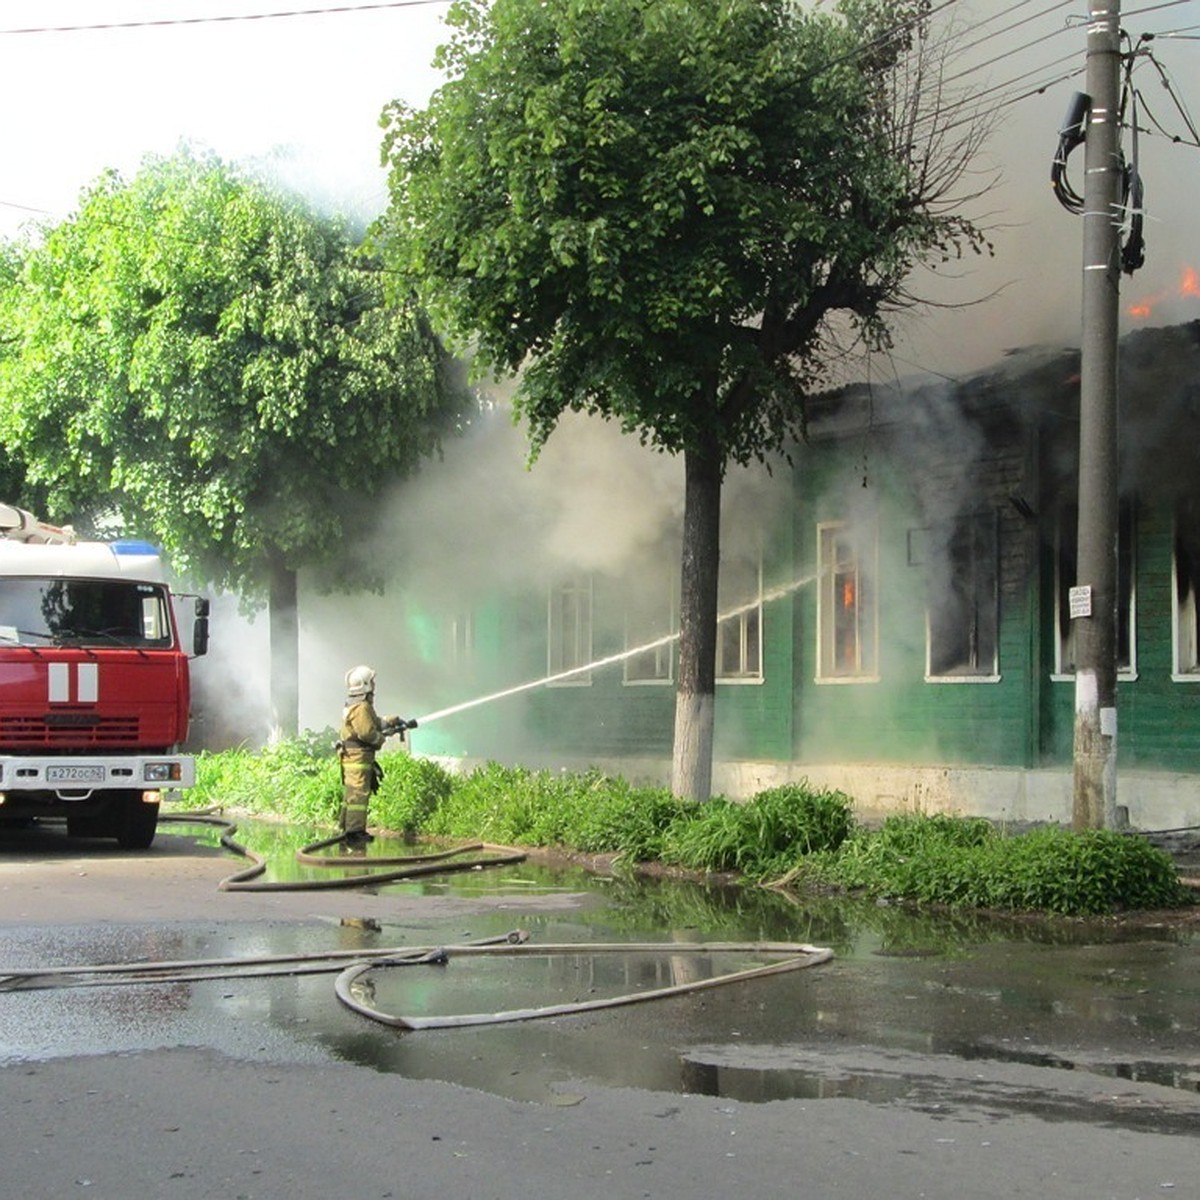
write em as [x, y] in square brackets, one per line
[1080, 600]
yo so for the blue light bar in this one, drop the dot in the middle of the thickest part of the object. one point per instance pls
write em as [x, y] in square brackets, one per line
[133, 546]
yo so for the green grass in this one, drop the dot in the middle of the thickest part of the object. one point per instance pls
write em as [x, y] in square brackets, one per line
[796, 834]
[966, 862]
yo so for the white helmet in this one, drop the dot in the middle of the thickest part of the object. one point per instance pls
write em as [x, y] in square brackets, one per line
[360, 681]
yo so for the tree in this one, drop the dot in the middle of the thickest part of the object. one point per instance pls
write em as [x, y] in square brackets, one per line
[218, 366]
[666, 212]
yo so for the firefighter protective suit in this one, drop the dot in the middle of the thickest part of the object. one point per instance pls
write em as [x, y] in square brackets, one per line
[361, 736]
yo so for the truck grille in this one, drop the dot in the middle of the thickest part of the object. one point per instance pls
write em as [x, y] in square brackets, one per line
[69, 729]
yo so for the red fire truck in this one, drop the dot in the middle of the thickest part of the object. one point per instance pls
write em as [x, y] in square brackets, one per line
[94, 692]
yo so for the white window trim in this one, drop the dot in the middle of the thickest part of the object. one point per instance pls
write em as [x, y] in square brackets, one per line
[748, 678]
[460, 634]
[1127, 674]
[667, 680]
[582, 677]
[839, 680]
[992, 676]
[1178, 674]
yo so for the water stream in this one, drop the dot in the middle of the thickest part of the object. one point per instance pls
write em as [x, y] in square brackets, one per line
[774, 593]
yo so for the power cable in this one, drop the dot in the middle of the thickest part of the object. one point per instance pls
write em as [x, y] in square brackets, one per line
[1008, 54]
[1139, 12]
[1070, 136]
[1045, 12]
[1179, 105]
[224, 18]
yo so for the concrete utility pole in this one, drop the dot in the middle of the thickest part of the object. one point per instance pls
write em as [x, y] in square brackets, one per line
[1095, 610]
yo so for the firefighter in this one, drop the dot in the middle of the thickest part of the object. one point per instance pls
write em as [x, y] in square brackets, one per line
[362, 735]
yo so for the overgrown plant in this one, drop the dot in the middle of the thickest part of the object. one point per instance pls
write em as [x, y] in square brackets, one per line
[966, 862]
[804, 836]
[762, 836]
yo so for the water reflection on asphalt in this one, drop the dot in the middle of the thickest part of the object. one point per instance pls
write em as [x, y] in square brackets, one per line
[925, 1011]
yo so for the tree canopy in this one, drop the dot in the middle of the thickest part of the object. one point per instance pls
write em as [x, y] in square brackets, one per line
[218, 365]
[669, 213]
[656, 208]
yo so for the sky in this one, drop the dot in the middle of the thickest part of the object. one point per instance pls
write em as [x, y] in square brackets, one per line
[305, 91]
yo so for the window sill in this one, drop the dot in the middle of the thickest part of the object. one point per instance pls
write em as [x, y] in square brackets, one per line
[1122, 677]
[962, 678]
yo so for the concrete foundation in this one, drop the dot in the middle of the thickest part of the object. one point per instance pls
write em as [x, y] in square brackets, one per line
[1149, 800]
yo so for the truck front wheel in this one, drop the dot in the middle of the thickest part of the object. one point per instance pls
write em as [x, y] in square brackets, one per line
[135, 820]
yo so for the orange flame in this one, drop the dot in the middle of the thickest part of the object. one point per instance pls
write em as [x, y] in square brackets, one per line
[1189, 288]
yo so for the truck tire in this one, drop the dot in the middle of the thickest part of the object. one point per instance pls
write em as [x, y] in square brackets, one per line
[135, 821]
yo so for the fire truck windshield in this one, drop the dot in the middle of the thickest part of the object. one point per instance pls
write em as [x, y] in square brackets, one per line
[83, 612]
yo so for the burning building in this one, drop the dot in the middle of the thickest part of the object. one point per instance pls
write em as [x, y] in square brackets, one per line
[894, 615]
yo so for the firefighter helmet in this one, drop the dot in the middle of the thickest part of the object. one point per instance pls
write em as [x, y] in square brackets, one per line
[360, 681]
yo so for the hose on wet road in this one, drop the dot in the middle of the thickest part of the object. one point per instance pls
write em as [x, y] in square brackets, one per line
[353, 967]
[400, 868]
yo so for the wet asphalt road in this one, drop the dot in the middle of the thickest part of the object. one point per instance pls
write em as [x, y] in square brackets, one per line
[939, 1060]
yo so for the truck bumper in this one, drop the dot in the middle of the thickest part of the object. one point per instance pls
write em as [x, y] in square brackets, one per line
[78, 777]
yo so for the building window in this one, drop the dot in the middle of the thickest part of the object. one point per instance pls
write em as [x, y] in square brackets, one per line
[460, 639]
[739, 621]
[1066, 576]
[570, 630]
[1186, 572]
[650, 637]
[962, 613]
[847, 617]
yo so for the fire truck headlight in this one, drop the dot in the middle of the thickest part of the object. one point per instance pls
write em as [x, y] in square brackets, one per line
[163, 772]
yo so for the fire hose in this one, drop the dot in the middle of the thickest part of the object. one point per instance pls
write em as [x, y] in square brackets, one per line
[409, 866]
[348, 985]
[513, 943]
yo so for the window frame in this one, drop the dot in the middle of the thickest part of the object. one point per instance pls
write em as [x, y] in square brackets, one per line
[1184, 610]
[460, 638]
[644, 615]
[866, 611]
[1126, 587]
[583, 626]
[979, 519]
[748, 615]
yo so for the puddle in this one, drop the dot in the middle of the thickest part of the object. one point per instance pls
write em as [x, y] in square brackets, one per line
[915, 1010]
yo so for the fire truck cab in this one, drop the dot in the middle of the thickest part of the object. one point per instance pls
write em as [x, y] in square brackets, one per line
[94, 683]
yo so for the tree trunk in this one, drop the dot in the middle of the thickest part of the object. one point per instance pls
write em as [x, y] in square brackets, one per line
[695, 696]
[284, 626]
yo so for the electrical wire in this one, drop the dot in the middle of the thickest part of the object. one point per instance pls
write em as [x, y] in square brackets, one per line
[1181, 108]
[1007, 54]
[1070, 136]
[1139, 12]
[162, 22]
[1045, 12]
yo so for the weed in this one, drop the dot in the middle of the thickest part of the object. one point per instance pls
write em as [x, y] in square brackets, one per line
[806, 835]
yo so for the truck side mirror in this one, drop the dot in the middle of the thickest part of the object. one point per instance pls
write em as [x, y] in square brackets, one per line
[200, 628]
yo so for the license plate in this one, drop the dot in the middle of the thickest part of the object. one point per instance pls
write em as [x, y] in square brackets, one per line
[74, 774]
